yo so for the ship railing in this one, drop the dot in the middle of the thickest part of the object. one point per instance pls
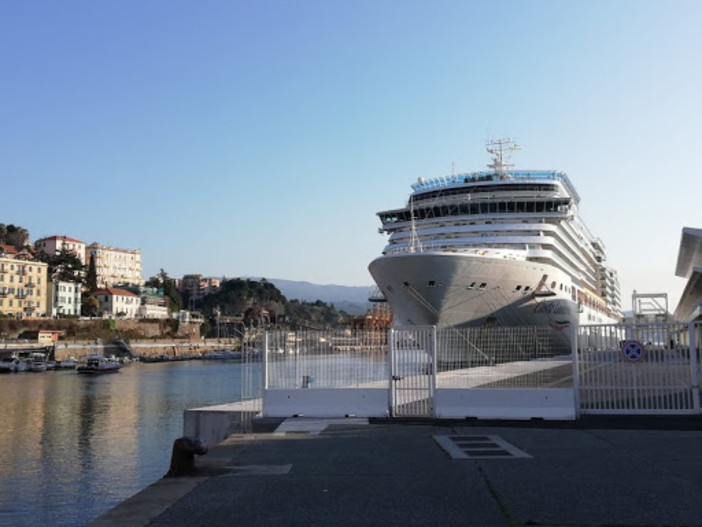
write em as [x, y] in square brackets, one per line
[471, 177]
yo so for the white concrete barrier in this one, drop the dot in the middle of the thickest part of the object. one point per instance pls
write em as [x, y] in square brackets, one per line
[512, 403]
[326, 402]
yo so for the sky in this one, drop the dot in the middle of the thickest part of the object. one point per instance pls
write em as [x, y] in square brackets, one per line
[260, 138]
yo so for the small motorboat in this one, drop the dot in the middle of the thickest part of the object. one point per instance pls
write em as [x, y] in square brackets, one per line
[66, 364]
[9, 365]
[97, 364]
[37, 362]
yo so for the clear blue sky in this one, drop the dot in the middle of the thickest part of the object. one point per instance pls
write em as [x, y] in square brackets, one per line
[259, 138]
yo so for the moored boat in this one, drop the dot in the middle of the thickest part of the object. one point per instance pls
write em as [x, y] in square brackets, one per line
[9, 364]
[37, 362]
[66, 364]
[97, 364]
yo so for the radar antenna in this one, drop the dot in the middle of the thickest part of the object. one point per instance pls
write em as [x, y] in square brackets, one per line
[501, 150]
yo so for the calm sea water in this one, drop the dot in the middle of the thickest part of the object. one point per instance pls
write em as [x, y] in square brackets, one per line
[74, 446]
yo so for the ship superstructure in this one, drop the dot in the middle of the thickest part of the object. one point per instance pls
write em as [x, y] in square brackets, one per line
[500, 246]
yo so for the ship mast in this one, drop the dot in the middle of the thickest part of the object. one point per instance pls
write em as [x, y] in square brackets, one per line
[415, 244]
[501, 149]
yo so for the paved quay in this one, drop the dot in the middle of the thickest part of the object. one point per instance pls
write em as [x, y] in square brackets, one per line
[308, 472]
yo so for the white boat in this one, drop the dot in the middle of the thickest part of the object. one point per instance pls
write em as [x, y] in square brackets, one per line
[9, 364]
[97, 364]
[37, 362]
[497, 247]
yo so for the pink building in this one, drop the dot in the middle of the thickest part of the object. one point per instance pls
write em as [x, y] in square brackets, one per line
[54, 244]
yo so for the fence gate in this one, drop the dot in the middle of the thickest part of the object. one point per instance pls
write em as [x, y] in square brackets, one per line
[639, 369]
[412, 366]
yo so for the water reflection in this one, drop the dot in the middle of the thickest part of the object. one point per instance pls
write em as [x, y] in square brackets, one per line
[73, 446]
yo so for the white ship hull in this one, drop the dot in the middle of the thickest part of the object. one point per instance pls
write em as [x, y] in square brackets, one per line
[460, 290]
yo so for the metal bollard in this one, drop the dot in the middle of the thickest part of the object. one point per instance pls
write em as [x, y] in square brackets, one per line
[182, 457]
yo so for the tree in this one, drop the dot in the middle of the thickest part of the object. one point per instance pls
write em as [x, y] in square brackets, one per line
[91, 276]
[162, 280]
[64, 265]
[246, 297]
[90, 306]
[13, 235]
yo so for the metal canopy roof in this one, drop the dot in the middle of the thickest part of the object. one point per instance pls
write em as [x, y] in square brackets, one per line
[691, 300]
[690, 254]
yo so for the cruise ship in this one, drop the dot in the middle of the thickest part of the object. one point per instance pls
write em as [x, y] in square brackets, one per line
[500, 247]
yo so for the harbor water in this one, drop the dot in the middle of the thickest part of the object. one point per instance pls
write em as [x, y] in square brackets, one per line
[74, 446]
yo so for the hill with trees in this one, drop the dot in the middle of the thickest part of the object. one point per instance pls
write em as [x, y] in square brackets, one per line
[261, 302]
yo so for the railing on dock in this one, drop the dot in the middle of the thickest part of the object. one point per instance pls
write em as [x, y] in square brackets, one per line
[639, 369]
[485, 372]
[326, 359]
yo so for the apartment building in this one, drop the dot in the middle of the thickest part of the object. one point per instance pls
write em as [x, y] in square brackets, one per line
[115, 266]
[115, 302]
[54, 244]
[64, 298]
[23, 285]
[196, 286]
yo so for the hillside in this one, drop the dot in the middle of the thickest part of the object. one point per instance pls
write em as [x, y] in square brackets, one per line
[352, 299]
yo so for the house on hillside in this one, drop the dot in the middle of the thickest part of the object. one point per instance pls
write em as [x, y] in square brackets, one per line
[64, 298]
[22, 285]
[152, 302]
[116, 302]
[54, 245]
[115, 266]
[196, 286]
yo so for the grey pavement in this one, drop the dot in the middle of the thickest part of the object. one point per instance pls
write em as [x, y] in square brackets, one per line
[346, 472]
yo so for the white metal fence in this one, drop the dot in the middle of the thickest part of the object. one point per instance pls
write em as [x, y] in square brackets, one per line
[326, 359]
[498, 372]
[412, 358]
[638, 369]
[504, 357]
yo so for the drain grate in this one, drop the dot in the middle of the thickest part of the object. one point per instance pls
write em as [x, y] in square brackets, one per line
[479, 447]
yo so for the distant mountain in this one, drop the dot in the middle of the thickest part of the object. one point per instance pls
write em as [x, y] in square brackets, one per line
[352, 299]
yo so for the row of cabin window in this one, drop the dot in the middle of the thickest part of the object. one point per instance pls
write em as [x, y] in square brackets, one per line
[516, 187]
[486, 207]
